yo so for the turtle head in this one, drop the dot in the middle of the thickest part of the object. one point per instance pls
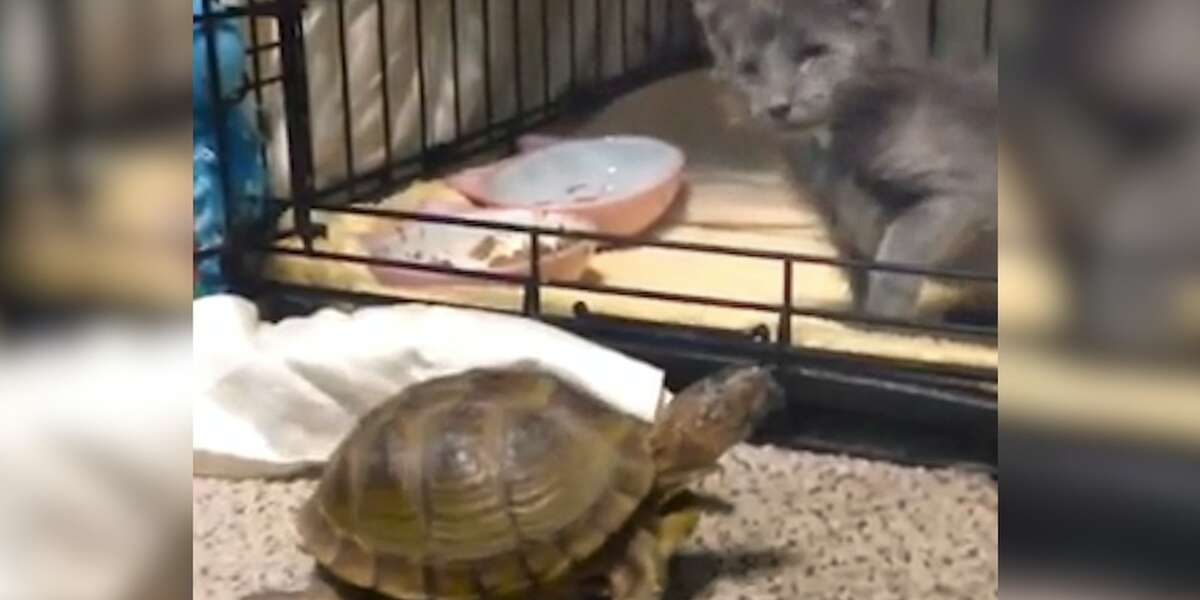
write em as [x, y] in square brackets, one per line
[710, 416]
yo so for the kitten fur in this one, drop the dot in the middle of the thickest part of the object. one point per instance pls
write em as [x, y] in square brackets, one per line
[901, 155]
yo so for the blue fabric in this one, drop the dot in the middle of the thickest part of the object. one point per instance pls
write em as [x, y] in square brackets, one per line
[4, 152]
[4, 191]
[249, 215]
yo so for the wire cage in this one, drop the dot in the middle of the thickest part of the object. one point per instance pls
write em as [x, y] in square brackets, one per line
[580, 55]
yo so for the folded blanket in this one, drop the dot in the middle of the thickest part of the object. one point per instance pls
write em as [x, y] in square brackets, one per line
[274, 398]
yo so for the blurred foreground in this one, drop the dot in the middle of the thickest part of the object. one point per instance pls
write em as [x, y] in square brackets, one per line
[95, 341]
[1100, 285]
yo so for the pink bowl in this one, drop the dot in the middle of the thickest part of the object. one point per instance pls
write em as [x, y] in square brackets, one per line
[568, 263]
[622, 184]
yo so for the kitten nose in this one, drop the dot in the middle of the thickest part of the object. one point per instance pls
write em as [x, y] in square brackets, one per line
[779, 111]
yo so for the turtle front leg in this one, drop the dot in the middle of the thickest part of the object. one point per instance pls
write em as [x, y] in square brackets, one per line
[674, 527]
[642, 575]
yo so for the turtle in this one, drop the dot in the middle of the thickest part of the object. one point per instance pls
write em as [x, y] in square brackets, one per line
[506, 483]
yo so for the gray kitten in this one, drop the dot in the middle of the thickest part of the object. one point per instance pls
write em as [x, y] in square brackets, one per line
[902, 158]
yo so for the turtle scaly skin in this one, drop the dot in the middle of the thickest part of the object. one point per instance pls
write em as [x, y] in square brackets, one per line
[507, 484]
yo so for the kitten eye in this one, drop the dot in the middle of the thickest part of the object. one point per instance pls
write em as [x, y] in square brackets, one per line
[749, 68]
[811, 51]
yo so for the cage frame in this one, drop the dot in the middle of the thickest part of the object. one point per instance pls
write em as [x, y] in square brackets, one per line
[906, 412]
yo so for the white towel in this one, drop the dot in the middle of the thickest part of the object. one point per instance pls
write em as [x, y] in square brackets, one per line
[273, 398]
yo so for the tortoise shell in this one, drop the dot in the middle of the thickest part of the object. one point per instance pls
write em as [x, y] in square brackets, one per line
[485, 484]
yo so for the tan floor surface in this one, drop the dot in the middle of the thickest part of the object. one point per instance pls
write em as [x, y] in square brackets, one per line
[802, 526]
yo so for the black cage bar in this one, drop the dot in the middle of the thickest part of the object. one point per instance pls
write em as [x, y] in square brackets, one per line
[904, 410]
